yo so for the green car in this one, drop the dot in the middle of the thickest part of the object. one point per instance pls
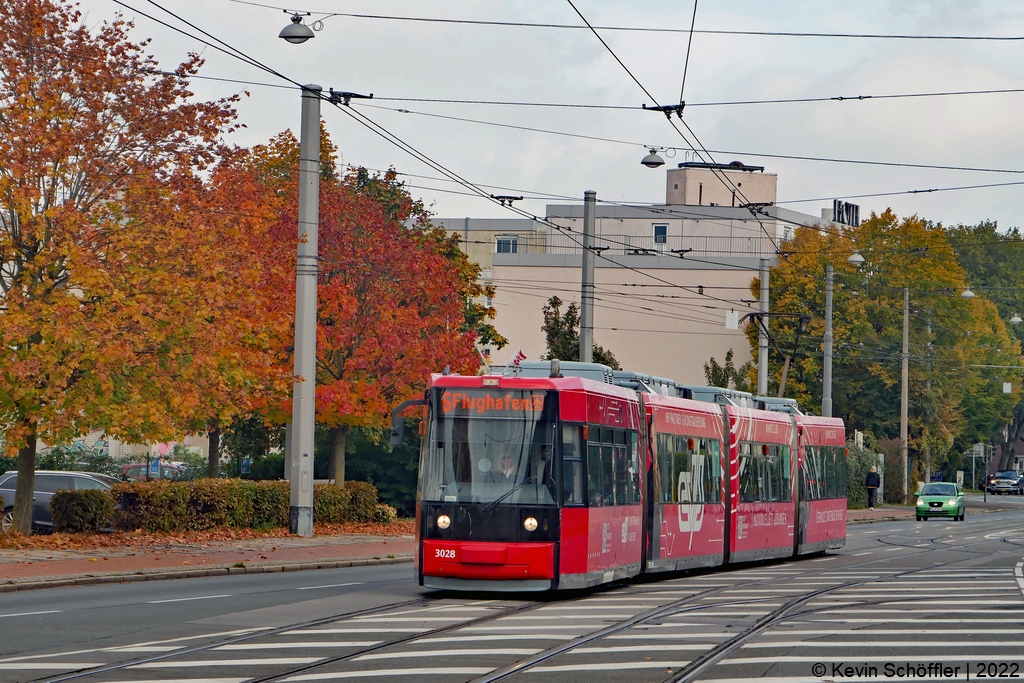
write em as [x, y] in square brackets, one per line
[941, 500]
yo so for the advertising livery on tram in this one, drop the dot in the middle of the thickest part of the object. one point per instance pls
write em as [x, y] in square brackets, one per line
[566, 476]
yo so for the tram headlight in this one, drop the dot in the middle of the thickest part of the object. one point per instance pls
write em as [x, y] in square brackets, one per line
[443, 521]
[530, 523]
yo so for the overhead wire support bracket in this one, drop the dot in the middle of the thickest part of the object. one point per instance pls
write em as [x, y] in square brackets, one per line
[681, 253]
[668, 109]
[505, 199]
[344, 97]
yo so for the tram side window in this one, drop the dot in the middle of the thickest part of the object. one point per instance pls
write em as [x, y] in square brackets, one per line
[689, 470]
[572, 465]
[764, 472]
[824, 472]
[612, 467]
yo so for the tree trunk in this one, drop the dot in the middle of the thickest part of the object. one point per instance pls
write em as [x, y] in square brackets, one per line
[25, 487]
[339, 435]
[213, 461]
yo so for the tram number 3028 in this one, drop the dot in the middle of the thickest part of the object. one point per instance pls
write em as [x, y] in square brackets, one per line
[444, 553]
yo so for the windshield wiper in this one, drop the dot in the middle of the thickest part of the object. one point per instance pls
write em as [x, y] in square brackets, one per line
[494, 503]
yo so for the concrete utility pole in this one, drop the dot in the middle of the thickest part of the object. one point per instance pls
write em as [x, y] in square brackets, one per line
[904, 390]
[587, 293]
[306, 270]
[928, 394]
[762, 337]
[826, 367]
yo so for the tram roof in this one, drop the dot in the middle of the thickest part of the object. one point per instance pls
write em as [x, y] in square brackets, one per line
[500, 382]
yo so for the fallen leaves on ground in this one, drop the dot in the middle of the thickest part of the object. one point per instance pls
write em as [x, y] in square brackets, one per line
[120, 539]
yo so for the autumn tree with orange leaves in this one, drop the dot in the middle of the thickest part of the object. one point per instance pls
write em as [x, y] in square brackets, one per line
[120, 282]
[397, 297]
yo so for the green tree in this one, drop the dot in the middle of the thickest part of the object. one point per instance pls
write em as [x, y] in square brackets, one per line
[956, 345]
[727, 375]
[562, 332]
[994, 263]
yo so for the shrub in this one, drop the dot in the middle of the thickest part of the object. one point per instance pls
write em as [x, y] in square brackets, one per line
[151, 505]
[384, 514]
[363, 501]
[216, 503]
[331, 504]
[77, 512]
[270, 503]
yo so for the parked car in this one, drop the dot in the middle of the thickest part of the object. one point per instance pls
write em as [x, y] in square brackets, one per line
[941, 500]
[1005, 481]
[47, 483]
[136, 471]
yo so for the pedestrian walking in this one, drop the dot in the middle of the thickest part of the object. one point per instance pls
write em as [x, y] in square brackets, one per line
[871, 482]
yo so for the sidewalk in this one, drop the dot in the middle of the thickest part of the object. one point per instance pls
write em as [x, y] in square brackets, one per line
[29, 569]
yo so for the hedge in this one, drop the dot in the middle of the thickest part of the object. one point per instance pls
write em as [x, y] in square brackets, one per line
[85, 511]
[212, 503]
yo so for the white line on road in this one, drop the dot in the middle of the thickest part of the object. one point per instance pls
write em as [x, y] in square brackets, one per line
[189, 680]
[202, 663]
[449, 653]
[331, 585]
[353, 631]
[200, 597]
[606, 666]
[450, 671]
[497, 636]
[298, 646]
[887, 643]
[29, 614]
[870, 552]
[870, 658]
[40, 666]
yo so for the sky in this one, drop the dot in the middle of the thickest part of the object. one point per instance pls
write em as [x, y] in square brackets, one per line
[405, 59]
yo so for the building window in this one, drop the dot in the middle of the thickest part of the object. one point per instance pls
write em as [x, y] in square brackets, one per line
[507, 244]
[660, 234]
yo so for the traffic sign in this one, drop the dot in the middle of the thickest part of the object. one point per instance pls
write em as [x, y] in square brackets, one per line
[246, 465]
[154, 468]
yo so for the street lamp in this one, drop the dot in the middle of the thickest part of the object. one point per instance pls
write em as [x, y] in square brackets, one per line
[296, 32]
[1015, 319]
[855, 258]
[301, 436]
[653, 160]
[967, 294]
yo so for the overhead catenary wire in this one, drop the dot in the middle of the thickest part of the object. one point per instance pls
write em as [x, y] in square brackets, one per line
[644, 29]
[637, 143]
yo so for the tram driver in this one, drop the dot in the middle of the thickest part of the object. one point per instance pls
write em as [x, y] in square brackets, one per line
[505, 472]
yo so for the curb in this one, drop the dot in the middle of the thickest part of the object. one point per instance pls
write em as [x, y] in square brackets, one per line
[162, 575]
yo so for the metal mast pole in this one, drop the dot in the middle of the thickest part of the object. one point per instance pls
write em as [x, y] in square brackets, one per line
[826, 368]
[904, 390]
[306, 269]
[587, 293]
[928, 395]
[762, 337]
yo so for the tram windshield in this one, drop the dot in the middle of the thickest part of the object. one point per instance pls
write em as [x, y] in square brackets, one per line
[490, 446]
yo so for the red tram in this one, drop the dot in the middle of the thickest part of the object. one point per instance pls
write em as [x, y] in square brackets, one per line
[570, 475]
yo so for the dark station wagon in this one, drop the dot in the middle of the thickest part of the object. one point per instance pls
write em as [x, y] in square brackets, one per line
[46, 484]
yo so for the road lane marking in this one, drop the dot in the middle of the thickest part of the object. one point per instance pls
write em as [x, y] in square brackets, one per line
[330, 585]
[869, 658]
[449, 653]
[450, 671]
[641, 648]
[200, 597]
[870, 552]
[201, 663]
[335, 631]
[188, 680]
[121, 648]
[887, 643]
[498, 636]
[296, 646]
[41, 666]
[29, 614]
[606, 666]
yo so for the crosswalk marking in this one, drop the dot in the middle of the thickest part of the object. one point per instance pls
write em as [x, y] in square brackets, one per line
[447, 671]
[298, 645]
[448, 653]
[201, 663]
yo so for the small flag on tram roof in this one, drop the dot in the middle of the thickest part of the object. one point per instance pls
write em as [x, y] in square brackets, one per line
[519, 357]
